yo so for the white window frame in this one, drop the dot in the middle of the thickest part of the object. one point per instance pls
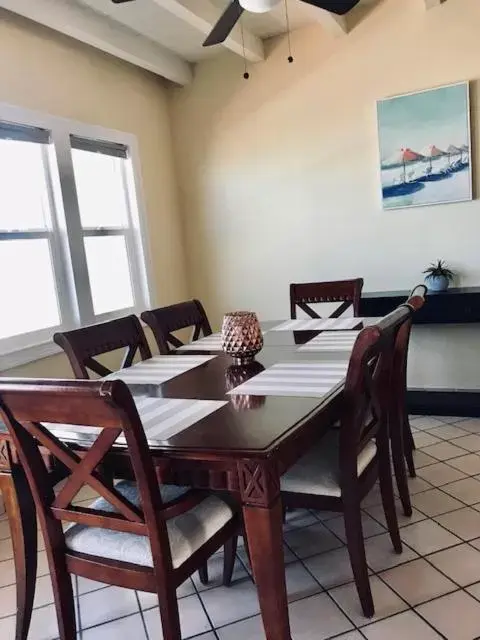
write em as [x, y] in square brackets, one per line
[66, 235]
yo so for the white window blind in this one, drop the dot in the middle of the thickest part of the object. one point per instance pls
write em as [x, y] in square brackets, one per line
[71, 242]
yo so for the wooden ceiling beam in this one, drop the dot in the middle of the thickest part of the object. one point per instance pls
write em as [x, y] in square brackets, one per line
[335, 25]
[99, 32]
[431, 4]
[203, 15]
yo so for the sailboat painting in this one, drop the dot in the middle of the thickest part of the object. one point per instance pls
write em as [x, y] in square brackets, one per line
[425, 147]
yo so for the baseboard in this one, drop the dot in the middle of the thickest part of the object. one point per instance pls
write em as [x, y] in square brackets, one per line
[444, 403]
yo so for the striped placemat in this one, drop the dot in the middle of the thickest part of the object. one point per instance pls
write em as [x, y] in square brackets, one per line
[208, 343]
[308, 379]
[162, 418]
[319, 324]
[158, 369]
[331, 341]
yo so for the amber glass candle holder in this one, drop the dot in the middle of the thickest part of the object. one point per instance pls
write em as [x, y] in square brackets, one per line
[242, 336]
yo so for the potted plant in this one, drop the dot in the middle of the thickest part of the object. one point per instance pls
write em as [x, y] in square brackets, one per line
[438, 276]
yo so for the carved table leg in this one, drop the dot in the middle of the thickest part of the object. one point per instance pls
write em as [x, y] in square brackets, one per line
[22, 519]
[263, 516]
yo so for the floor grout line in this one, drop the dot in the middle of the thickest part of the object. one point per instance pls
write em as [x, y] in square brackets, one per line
[147, 635]
[302, 560]
[202, 604]
[77, 607]
[410, 608]
[324, 590]
[105, 622]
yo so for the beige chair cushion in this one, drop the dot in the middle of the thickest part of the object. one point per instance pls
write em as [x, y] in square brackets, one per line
[187, 532]
[318, 473]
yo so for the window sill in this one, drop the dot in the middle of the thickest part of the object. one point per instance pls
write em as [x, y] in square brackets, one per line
[46, 348]
[27, 355]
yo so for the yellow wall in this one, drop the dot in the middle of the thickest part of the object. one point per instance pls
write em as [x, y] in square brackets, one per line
[278, 174]
[279, 180]
[43, 70]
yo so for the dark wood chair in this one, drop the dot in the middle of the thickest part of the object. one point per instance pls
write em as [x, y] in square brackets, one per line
[421, 291]
[348, 292]
[400, 431]
[81, 345]
[137, 535]
[341, 470]
[165, 320]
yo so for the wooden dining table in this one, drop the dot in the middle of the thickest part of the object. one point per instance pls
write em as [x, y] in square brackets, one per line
[242, 448]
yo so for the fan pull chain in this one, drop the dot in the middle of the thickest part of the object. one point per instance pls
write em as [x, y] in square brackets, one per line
[246, 75]
[287, 19]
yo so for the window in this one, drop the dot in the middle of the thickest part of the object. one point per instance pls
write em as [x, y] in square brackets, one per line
[71, 250]
[102, 191]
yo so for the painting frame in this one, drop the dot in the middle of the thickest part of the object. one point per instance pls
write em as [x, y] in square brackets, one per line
[402, 201]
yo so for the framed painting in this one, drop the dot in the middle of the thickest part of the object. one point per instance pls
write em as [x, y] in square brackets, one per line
[425, 147]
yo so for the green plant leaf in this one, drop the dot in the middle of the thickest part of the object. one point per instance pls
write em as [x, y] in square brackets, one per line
[439, 268]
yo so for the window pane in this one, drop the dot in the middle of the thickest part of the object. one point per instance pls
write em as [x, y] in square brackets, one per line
[100, 189]
[28, 287]
[23, 195]
[109, 273]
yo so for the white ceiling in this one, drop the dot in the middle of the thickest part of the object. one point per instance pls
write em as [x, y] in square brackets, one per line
[152, 18]
[166, 36]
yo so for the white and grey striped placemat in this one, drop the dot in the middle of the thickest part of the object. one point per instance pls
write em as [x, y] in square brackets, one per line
[162, 418]
[158, 369]
[308, 379]
[208, 343]
[331, 341]
[319, 324]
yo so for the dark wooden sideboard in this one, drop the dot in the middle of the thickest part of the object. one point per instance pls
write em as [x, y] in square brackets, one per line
[454, 306]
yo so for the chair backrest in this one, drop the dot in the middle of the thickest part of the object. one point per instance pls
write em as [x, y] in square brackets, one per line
[367, 393]
[30, 408]
[347, 292]
[399, 369]
[81, 345]
[165, 320]
[419, 290]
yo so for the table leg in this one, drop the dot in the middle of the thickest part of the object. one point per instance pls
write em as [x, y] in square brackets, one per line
[264, 530]
[22, 519]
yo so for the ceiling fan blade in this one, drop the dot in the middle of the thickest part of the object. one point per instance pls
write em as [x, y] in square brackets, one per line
[228, 20]
[121, 1]
[340, 7]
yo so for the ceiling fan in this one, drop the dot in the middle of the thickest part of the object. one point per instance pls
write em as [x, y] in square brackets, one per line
[235, 9]
[233, 12]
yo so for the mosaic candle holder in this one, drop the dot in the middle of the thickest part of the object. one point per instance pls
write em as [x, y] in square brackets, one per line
[242, 336]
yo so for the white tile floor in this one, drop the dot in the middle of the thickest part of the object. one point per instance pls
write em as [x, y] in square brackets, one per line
[431, 591]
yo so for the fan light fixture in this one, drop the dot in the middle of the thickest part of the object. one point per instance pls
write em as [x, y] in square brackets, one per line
[232, 14]
[258, 6]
